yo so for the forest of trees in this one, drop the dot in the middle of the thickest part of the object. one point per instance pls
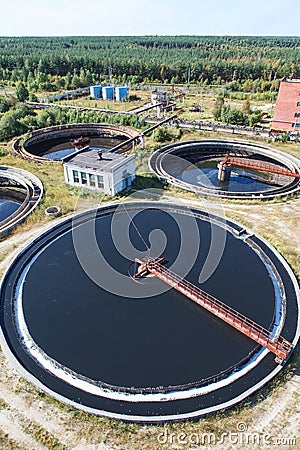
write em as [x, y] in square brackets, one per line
[31, 65]
[17, 118]
[248, 63]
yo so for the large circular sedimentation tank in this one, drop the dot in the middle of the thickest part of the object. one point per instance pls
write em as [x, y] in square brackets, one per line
[20, 194]
[53, 143]
[76, 324]
[194, 166]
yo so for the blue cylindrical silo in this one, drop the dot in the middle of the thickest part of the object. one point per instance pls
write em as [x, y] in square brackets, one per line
[96, 91]
[108, 92]
[121, 92]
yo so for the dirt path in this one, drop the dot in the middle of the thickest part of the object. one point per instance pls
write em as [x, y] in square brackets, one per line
[12, 245]
[275, 422]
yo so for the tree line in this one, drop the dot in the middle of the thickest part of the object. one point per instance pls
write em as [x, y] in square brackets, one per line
[51, 63]
[17, 118]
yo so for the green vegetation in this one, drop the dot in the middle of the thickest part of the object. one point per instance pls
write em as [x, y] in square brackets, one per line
[22, 92]
[3, 404]
[248, 64]
[244, 116]
[219, 104]
[232, 68]
[166, 134]
[5, 104]
[285, 137]
[20, 118]
[230, 77]
[7, 443]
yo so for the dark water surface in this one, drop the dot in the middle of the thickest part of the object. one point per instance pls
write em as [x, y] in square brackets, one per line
[7, 208]
[205, 174]
[57, 148]
[158, 341]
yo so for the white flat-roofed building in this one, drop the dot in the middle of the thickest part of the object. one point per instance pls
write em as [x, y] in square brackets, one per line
[108, 173]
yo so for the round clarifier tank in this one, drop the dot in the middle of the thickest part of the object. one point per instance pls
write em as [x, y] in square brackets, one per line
[12, 195]
[20, 193]
[78, 326]
[54, 143]
[201, 167]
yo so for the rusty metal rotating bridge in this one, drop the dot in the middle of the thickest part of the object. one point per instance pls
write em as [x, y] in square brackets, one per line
[277, 345]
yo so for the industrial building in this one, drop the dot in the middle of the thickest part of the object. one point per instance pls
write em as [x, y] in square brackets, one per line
[108, 173]
[287, 109]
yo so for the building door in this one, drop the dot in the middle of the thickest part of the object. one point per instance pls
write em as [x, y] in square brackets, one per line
[125, 183]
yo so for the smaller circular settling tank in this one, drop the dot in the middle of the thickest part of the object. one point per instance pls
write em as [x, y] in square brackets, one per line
[20, 193]
[227, 168]
[55, 143]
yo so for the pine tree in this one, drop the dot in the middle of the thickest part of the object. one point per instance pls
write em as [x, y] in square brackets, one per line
[218, 107]
[22, 92]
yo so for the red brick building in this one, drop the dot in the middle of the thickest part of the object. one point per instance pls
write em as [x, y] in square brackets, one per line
[287, 109]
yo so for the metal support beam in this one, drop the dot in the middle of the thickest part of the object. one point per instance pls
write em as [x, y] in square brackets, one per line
[279, 346]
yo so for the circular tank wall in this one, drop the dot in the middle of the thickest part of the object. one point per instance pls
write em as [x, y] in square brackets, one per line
[20, 194]
[194, 166]
[77, 325]
[53, 143]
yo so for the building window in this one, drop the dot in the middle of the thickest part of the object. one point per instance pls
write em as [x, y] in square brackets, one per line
[83, 178]
[297, 125]
[298, 103]
[100, 181]
[75, 176]
[92, 180]
[297, 114]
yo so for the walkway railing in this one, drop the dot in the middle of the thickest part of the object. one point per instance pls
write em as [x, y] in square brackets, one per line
[279, 346]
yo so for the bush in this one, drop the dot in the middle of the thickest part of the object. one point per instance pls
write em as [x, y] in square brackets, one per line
[285, 137]
[132, 97]
[255, 118]
[4, 105]
[10, 126]
[233, 116]
[162, 134]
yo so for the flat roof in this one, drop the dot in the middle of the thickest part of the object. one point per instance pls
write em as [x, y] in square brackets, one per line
[89, 159]
[291, 80]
